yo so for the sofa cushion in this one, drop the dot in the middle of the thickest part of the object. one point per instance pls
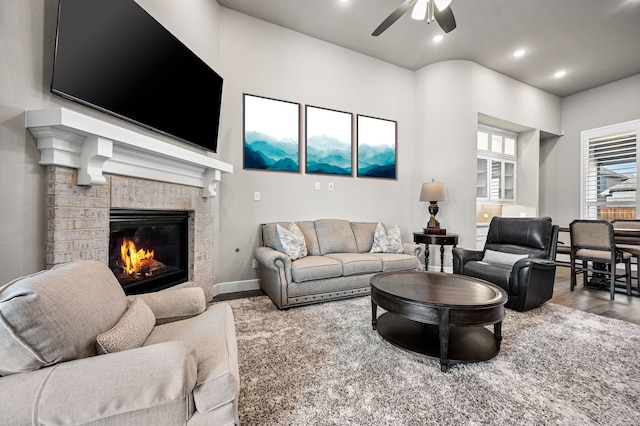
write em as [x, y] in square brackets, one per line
[335, 236]
[387, 242]
[397, 261]
[270, 236]
[315, 268]
[502, 258]
[357, 263]
[363, 232]
[131, 330]
[56, 315]
[308, 229]
[213, 333]
[291, 241]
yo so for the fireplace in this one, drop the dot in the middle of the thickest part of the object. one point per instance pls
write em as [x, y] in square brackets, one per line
[148, 249]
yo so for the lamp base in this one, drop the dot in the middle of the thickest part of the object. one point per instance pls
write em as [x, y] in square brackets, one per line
[436, 231]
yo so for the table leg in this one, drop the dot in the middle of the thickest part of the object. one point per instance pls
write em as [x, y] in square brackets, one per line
[497, 332]
[426, 257]
[441, 257]
[444, 339]
[374, 316]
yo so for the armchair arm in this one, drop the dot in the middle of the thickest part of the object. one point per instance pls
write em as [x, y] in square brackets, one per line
[462, 255]
[531, 283]
[173, 305]
[89, 389]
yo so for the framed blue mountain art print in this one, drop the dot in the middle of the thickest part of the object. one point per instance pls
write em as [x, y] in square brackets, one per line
[271, 134]
[377, 143]
[329, 141]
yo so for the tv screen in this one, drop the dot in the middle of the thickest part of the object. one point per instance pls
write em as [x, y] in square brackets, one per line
[113, 56]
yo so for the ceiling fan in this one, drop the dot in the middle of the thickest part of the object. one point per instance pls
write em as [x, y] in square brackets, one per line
[440, 12]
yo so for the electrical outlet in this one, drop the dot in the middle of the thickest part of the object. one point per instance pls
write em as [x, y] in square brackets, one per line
[256, 196]
[255, 264]
[331, 186]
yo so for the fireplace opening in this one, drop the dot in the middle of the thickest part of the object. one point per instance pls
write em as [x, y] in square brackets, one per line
[148, 250]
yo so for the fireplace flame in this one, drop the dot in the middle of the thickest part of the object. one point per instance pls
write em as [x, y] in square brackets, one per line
[133, 259]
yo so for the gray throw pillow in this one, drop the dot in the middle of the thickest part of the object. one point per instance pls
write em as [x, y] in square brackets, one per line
[291, 241]
[384, 242]
[131, 330]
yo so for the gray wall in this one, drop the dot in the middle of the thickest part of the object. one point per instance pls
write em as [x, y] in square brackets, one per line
[27, 39]
[263, 59]
[612, 103]
[449, 98]
[436, 109]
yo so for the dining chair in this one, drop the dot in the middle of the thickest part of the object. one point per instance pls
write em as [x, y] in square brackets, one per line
[592, 244]
[629, 243]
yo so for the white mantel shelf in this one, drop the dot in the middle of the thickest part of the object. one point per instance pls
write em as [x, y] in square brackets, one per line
[94, 147]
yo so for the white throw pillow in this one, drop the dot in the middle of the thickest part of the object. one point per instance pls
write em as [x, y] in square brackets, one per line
[292, 241]
[131, 330]
[384, 242]
[501, 258]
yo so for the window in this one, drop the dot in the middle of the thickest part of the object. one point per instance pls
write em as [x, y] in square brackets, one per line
[609, 172]
[496, 165]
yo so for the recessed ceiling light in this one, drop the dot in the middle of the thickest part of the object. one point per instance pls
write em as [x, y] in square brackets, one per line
[519, 53]
[560, 74]
[438, 38]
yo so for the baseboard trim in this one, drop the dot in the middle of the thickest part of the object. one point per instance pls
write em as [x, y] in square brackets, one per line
[235, 286]
[436, 268]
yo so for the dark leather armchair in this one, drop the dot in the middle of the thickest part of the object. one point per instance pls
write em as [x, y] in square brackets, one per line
[518, 256]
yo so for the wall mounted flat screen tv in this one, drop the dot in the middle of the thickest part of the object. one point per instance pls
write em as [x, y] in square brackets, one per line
[113, 56]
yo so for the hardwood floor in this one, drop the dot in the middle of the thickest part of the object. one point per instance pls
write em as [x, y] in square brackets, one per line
[595, 301]
[586, 299]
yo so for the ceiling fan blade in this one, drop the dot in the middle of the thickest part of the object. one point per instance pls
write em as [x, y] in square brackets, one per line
[395, 15]
[445, 19]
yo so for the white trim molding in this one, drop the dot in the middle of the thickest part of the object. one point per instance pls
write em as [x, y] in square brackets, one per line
[235, 286]
[94, 147]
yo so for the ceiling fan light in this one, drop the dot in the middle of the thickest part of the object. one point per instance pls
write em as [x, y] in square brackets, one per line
[420, 10]
[442, 4]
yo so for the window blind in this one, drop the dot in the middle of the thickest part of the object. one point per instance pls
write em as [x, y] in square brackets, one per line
[610, 177]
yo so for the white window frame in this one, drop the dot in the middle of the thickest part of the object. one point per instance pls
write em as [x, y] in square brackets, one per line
[502, 158]
[602, 132]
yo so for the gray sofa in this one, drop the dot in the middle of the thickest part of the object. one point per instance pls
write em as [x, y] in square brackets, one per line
[170, 359]
[338, 263]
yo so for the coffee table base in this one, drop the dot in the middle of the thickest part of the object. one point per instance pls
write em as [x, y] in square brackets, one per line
[466, 344]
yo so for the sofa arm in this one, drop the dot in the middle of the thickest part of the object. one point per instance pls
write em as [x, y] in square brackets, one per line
[414, 249]
[274, 260]
[173, 305]
[275, 274]
[462, 255]
[98, 387]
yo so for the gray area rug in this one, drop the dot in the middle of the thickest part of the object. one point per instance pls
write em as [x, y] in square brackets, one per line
[325, 365]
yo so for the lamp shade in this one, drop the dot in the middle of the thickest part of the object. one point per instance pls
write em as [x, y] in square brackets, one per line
[432, 191]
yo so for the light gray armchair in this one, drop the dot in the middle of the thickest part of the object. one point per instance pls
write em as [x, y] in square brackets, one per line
[170, 360]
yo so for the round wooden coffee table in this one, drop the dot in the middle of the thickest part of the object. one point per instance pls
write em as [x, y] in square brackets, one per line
[439, 315]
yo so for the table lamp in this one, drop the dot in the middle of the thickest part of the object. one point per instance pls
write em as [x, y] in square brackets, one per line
[433, 192]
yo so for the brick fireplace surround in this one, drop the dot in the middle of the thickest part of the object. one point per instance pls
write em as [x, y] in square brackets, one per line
[78, 218]
[78, 214]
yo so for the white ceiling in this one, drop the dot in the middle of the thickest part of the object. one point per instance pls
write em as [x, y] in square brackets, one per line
[595, 41]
